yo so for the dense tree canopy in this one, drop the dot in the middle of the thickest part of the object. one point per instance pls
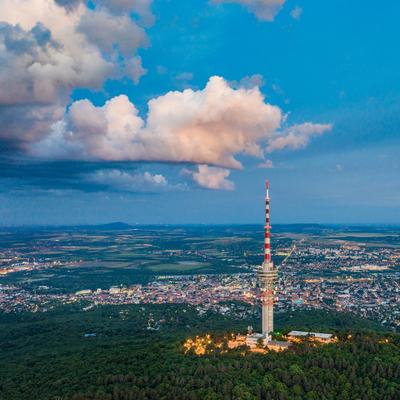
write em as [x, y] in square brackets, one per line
[47, 356]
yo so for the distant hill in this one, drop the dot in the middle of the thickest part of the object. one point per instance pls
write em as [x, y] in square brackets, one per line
[113, 226]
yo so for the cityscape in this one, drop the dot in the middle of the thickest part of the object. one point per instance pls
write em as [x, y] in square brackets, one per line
[332, 274]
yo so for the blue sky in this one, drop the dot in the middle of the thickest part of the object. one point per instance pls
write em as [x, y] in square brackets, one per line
[333, 65]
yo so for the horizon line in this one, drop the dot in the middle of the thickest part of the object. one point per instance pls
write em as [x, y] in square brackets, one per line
[395, 224]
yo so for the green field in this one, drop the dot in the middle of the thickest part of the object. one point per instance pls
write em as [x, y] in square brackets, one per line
[178, 267]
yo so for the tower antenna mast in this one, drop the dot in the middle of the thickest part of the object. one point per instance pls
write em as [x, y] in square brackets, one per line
[267, 274]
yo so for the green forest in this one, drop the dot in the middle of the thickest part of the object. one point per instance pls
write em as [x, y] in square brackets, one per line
[108, 353]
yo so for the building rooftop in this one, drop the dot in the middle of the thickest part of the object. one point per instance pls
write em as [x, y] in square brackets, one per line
[279, 343]
[314, 334]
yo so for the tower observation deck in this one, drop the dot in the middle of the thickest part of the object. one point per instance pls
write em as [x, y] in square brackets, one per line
[267, 275]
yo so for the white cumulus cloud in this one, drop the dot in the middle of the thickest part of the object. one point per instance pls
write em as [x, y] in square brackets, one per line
[208, 126]
[131, 182]
[297, 136]
[212, 177]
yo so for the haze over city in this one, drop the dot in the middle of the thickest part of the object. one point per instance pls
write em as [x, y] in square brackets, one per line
[174, 112]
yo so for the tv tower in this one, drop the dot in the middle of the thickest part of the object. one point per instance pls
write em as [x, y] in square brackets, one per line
[267, 275]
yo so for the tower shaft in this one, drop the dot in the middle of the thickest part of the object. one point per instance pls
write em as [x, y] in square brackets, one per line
[267, 275]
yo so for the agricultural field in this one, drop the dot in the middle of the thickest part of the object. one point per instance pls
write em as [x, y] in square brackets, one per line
[68, 259]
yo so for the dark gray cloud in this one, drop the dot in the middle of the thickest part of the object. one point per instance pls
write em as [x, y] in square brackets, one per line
[20, 125]
[18, 41]
[142, 8]
[119, 32]
[41, 34]
[24, 174]
[69, 4]
[45, 55]
[25, 116]
[20, 176]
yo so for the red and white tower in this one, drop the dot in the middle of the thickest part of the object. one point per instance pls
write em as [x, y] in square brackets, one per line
[267, 275]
